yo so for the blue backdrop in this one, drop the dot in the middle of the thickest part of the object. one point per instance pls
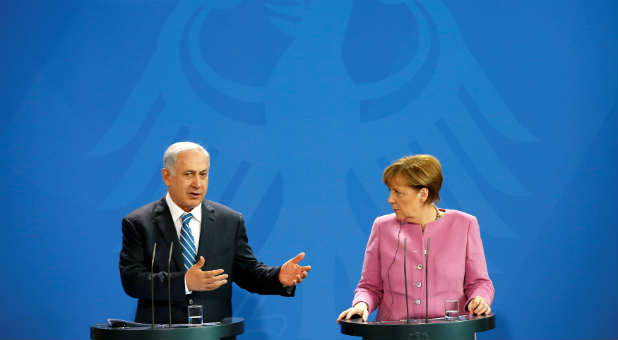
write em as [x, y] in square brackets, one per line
[302, 104]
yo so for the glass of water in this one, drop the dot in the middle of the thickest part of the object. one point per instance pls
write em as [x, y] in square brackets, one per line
[196, 316]
[451, 309]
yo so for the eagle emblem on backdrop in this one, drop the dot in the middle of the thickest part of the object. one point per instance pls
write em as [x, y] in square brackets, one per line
[284, 93]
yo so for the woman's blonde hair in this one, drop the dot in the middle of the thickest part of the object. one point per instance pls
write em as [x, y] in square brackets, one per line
[418, 171]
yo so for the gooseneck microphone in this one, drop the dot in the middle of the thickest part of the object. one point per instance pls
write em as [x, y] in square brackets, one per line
[169, 283]
[154, 253]
[426, 282]
[405, 277]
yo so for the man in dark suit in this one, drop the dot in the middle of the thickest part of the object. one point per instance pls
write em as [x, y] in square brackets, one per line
[210, 248]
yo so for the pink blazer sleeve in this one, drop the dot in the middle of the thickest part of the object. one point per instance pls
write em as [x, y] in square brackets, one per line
[370, 289]
[476, 281]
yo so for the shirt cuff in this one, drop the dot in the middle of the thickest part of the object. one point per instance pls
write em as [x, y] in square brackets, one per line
[187, 291]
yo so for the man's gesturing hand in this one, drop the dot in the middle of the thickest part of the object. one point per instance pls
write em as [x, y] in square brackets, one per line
[198, 280]
[291, 273]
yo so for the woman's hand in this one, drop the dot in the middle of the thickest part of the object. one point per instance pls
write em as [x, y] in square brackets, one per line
[478, 306]
[360, 308]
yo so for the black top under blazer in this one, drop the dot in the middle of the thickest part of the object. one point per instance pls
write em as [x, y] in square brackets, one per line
[223, 244]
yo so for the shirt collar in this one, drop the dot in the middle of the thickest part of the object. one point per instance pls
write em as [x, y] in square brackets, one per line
[176, 211]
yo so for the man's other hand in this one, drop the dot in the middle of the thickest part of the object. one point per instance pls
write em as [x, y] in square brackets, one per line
[199, 280]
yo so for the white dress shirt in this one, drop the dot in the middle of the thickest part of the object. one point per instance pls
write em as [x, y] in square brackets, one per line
[195, 224]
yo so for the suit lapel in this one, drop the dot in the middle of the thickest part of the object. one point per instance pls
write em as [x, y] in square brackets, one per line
[206, 233]
[162, 218]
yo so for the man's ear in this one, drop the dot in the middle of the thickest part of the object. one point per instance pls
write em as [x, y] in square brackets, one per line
[166, 175]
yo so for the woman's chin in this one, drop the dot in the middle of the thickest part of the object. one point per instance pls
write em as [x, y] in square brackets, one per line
[406, 219]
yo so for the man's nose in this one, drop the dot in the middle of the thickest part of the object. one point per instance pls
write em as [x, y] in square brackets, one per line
[196, 181]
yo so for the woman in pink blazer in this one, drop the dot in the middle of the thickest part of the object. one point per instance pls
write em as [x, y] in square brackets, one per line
[457, 268]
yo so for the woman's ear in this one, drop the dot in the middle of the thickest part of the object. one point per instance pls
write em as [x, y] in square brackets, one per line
[423, 194]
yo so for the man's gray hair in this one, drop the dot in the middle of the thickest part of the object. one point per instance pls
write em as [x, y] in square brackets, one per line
[171, 154]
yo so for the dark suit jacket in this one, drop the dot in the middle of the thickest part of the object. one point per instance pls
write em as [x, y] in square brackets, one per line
[223, 244]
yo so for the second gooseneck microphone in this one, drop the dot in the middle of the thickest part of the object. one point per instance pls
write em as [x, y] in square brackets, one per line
[154, 253]
[405, 277]
[426, 282]
[169, 283]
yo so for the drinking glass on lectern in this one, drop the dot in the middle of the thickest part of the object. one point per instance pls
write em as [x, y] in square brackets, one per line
[196, 316]
[451, 309]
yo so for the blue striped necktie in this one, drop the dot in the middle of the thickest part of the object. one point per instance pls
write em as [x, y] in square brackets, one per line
[189, 253]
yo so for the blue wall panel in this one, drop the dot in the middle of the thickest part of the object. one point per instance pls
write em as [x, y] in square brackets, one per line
[302, 104]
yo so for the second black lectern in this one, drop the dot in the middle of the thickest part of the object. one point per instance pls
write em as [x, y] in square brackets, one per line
[439, 329]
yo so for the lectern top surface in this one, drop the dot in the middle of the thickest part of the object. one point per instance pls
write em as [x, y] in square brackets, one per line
[228, 327]
[437, 328]
[121, 324]
[461, 318]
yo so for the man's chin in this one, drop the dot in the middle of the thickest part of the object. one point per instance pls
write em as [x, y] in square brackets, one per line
[191, 203]
[197, 201]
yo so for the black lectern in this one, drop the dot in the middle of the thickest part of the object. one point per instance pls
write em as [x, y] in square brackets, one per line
[229, 327]
[460, 329]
